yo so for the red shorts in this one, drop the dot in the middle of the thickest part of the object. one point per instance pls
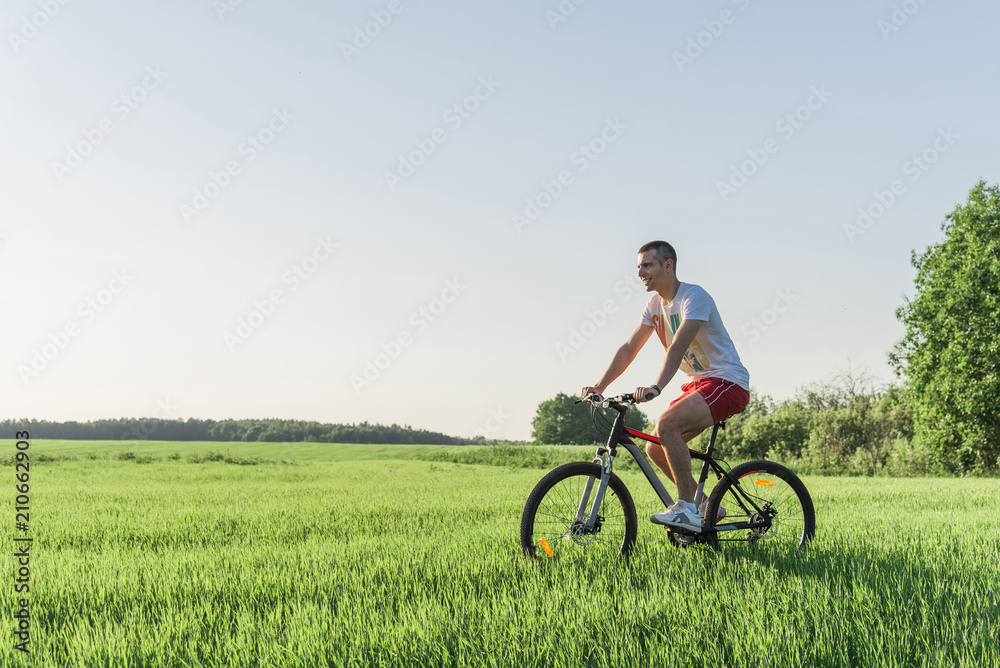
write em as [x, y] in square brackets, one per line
[724, 397]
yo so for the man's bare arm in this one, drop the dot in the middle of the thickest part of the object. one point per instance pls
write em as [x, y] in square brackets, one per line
[626, 353]
[675, 353]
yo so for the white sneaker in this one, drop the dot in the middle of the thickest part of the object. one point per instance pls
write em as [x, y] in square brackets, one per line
[720, 514]
[681, 515]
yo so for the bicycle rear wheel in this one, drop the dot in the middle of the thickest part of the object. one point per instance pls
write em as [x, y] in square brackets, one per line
[557, 510]
[761, 493]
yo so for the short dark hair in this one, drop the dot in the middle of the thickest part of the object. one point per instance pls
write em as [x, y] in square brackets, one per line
[663, 250]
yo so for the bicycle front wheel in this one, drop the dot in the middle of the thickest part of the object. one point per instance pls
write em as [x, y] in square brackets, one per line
[555, 517]
[764, 503]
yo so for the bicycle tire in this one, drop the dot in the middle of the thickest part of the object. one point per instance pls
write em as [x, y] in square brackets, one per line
[550, 514]
[794, 519]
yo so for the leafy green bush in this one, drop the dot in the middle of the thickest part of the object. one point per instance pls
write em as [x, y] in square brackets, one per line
[228, 458]
[909, 458]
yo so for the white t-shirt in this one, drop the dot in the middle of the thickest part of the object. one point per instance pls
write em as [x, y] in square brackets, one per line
[711, 353]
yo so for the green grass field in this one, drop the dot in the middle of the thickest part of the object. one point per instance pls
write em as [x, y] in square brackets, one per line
[361, 555]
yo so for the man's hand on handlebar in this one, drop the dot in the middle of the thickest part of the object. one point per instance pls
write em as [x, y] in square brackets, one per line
[592, 394]
[643, 394]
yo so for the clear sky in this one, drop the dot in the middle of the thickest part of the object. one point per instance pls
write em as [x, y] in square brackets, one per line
[254, 209]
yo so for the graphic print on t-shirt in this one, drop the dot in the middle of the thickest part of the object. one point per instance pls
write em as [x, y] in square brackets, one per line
[711, 353]
[695, 360]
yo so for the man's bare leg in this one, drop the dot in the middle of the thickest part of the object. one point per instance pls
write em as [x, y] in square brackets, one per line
[659, 457]
[690, 414]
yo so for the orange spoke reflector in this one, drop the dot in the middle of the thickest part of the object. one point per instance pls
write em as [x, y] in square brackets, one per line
[545, 546]
[763, 483]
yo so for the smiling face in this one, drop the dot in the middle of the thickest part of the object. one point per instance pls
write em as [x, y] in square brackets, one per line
[655, 275]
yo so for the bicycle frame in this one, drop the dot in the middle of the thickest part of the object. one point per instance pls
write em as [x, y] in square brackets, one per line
[619, 436]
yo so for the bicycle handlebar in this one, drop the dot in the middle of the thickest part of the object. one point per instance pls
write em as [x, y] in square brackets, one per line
[620, 399]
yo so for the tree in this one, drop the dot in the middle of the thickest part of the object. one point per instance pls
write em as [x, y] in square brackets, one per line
[561, 420]
[950, 353]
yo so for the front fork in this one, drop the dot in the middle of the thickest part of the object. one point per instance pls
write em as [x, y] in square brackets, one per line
[605, 458]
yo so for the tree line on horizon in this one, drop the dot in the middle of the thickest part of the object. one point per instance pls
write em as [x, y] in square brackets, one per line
[193, 429]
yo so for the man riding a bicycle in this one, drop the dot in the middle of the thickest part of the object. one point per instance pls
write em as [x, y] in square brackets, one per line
[688, 324]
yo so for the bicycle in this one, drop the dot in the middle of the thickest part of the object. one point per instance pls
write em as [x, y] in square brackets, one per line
[765, 501]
